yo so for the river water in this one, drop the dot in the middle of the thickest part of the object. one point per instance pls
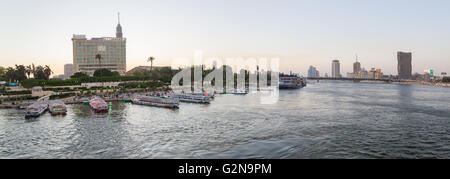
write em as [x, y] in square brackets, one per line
[323, 120]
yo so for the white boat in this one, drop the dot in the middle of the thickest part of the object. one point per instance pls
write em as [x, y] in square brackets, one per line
[210, 95]
[239, 92]
[36, 109]
[157, 101]
[189, 98]
[291, 82]
[57, 107]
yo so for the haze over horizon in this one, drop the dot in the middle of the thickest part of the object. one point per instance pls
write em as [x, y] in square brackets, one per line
[299, 32]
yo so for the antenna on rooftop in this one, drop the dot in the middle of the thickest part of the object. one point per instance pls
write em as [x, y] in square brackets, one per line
[118, 17]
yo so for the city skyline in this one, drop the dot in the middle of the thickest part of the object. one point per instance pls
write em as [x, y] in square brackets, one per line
[300, 33]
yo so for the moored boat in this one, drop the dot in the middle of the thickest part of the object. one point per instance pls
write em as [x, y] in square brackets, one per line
[98, 104]
[57, 107]
[36, 109]
[210, 95]
[239, 92]
[189, 98]
[291, 82]
[156, 101]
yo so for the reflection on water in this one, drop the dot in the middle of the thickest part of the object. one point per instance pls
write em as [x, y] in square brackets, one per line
[323, 120]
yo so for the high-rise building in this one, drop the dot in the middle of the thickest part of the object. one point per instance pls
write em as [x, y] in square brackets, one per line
[68, 71]
[404, 65]
[312, 72]
[336, 69]
[371, 73]
[356, 66]
[111, 49]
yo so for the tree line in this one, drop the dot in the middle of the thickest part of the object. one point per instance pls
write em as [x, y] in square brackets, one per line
[21, 72]
[446, 79]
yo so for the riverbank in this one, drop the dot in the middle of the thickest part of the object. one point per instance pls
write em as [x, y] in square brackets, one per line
[423, 83]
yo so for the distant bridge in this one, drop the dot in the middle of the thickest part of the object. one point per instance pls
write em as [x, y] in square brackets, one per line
[353, 79]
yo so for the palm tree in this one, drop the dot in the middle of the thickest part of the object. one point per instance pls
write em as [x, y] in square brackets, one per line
[28, 70]
[33, 70]
[99, 58]
[151, 59]
[47, 72]
[10, 74]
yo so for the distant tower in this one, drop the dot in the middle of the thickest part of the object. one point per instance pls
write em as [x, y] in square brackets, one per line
[336, 69]
[119, 28]
[404, 65]
[356, 66]
[312, 72]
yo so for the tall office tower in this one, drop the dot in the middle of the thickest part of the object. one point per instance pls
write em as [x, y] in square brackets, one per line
[111, 49]
[312, 72]
[68, 71]
[404, 65]
[356, 66]
[336, 69]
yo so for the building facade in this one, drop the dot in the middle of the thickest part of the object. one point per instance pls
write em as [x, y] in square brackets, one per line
[111, 49]
[404, 65]
[351, 75]
[313, 72]
[336, 69]
[356, 67]
[68, 71]
[372, 73]
[363, 74]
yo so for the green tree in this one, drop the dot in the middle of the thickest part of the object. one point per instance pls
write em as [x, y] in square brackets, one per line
[10, 74]
[2, 71]
[20, 73]
[105, 73]
[47, 72]
[79, 75]
[137, 74]
[28, 70]
[446, 79]
[99, 58]
[33, 70]
[39, 73]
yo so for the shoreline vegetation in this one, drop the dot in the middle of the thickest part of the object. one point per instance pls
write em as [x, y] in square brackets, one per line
[103, 82]
[155, 80]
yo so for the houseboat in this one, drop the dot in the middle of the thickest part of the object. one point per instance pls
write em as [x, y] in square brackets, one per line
[240, 92]
[98, 104]
[291, 82]
[210, 95]
[57, 107]
[189, 98]
[36, 109]
[157, 101]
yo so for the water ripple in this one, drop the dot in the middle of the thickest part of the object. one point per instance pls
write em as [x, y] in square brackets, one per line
[324, 120]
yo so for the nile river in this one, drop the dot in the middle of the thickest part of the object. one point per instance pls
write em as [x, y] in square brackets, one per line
[323, 120]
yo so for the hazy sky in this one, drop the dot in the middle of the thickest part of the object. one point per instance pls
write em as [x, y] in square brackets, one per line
[299, 32]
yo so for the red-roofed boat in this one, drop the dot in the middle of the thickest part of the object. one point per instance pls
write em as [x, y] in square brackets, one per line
[98, 104]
